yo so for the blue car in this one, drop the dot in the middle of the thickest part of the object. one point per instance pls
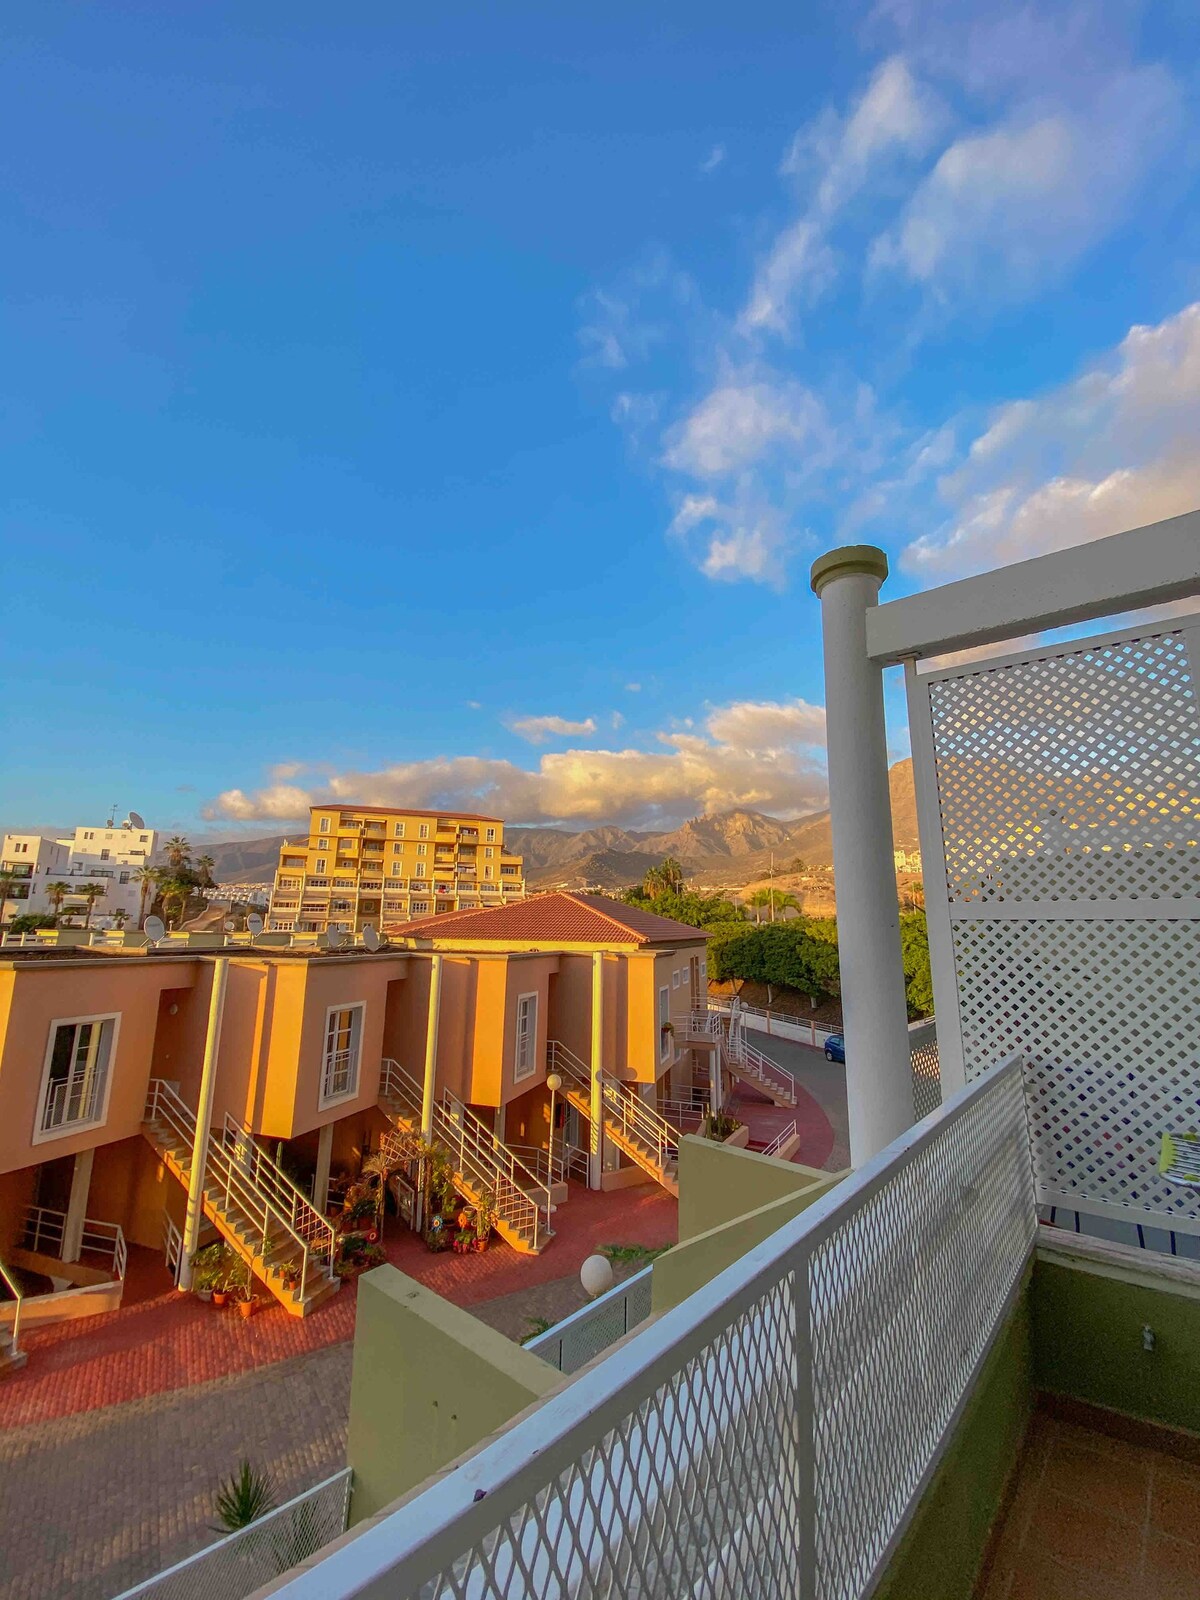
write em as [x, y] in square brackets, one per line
[835, 1047]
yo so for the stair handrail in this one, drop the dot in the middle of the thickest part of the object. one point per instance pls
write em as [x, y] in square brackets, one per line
[165, 1104]
[18, 1294]
[474, 1154]
[735, 1045]
[306, 1219]
[633, 1114]
[516, 1170]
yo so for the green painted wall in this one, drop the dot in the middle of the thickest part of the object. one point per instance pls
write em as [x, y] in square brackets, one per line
[695, 1262]
[718, 1182]
[941, 1554]
[1087, 1330]
[429, 1383]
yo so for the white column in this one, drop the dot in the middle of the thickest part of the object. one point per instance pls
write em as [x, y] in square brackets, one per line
[81, 1182]
[878, 1071]
[321, 1176]
[431, 1045]
[194, 1215]
[596, 1116]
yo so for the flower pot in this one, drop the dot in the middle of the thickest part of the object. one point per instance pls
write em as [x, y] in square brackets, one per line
[219, 1297]
[203, 1294]
[246, 1308]
[481, 1245]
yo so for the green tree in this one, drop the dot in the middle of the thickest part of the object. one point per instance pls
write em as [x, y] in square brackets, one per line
[30, 921]
[696, 910]
[147, 880]
[914, 951]
[91, 892]
[179, 852]
[204, 866]
[7, 879]
[773, 897]
[56, 893]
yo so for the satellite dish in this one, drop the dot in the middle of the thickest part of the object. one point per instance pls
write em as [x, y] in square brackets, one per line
[135, 821]
[254, 924]
[370, 937]
[155, 929]
[230, 925]
[335, 938]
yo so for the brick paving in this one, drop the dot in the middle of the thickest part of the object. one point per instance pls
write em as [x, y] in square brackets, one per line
[96, 1501]
[172, 1341]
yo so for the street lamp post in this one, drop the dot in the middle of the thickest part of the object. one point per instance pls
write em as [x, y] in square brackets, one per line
[554, 1084]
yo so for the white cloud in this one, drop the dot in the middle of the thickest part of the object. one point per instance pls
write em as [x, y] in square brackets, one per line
[282, 771]
[713, 159]
[896, 114]
[633, 688]
[617, 720]
[758, 755]
[1028, 196]
[538, 729]
[743, 420]
[1113, 449]
[742, 537]
[474, 705]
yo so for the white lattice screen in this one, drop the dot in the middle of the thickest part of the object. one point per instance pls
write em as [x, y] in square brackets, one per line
[1061, 790]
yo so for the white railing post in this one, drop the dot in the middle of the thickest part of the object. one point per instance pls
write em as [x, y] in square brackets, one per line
[195, 1201]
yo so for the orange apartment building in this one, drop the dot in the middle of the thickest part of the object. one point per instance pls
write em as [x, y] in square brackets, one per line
[466, 1026]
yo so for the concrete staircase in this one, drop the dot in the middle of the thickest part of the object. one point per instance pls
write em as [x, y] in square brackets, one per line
[636, 1128]
[483, 1164]
[253, 1204]
[744, 1060]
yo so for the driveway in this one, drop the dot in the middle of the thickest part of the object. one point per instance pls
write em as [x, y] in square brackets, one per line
[824, 1080]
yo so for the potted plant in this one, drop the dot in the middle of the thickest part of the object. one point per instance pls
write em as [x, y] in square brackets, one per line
[464, 1240]
[485, 1220]
[208, 1268]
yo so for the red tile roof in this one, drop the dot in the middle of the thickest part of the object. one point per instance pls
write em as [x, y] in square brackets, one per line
[557, 918]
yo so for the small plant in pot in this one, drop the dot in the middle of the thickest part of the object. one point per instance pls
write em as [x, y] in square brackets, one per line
[208, 1270]
[485, 1220]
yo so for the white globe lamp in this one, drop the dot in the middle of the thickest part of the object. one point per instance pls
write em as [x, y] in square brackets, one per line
[596, 1276]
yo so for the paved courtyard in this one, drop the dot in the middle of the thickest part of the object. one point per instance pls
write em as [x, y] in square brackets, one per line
[118, 1432]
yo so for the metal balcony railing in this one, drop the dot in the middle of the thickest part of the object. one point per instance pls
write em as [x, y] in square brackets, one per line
[773, 1433]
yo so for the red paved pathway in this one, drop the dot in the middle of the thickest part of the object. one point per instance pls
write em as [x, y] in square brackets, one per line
[164, 1340]
[817, 1135]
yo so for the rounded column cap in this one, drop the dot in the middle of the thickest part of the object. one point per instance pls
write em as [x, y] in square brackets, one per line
[848, 558]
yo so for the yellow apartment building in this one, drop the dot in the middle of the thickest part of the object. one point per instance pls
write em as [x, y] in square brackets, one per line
[155, 1096]
[367, 865]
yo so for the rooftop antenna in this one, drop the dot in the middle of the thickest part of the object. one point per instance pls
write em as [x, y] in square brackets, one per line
[112, 815]
[155, 930]
[334, 939]
[370, 937]
[134, 820]
[254, 924]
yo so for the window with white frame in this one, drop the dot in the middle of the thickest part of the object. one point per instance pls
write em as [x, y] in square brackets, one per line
[399, 830]
[490, 835]
[324, 824]
[422, 849]
[423, 830]
[675, 979]
[343, 1046]
[525, 1053]
[420, 906]
[664, 1023]
[76, 1075]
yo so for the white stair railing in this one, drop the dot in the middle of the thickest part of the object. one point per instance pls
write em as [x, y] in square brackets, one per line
[472, 1148]
[285, 1195]
[750, 1061]
[265, 1220]
[780, 1139]
[630, 1118]
[18, 1295]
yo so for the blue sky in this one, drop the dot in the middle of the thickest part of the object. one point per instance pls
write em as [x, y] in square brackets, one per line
[443, 405]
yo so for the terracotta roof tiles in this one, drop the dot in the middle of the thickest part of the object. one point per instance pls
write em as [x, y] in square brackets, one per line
[555, 918]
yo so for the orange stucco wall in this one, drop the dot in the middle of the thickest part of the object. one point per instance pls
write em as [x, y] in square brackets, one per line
[34, 996]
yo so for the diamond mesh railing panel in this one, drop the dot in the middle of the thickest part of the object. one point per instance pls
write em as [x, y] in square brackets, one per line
[1068, 795]
[926, 1069]
[767, 1437]
[905, 1291]
[580, 1338]
[242, 1562]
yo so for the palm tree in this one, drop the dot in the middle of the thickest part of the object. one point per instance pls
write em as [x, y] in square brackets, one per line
[91, 892]
[204, 866]
[652, 883]
[56, 893]
[177, 890]
[120, 916]
[672, 874]
[7, 878]
[179, 852]
[775, 899]
[147, 880]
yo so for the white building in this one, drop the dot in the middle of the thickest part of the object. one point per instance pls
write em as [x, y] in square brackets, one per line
[108, 854]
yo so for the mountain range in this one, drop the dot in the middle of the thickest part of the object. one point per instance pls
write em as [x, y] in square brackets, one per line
[728, 849]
